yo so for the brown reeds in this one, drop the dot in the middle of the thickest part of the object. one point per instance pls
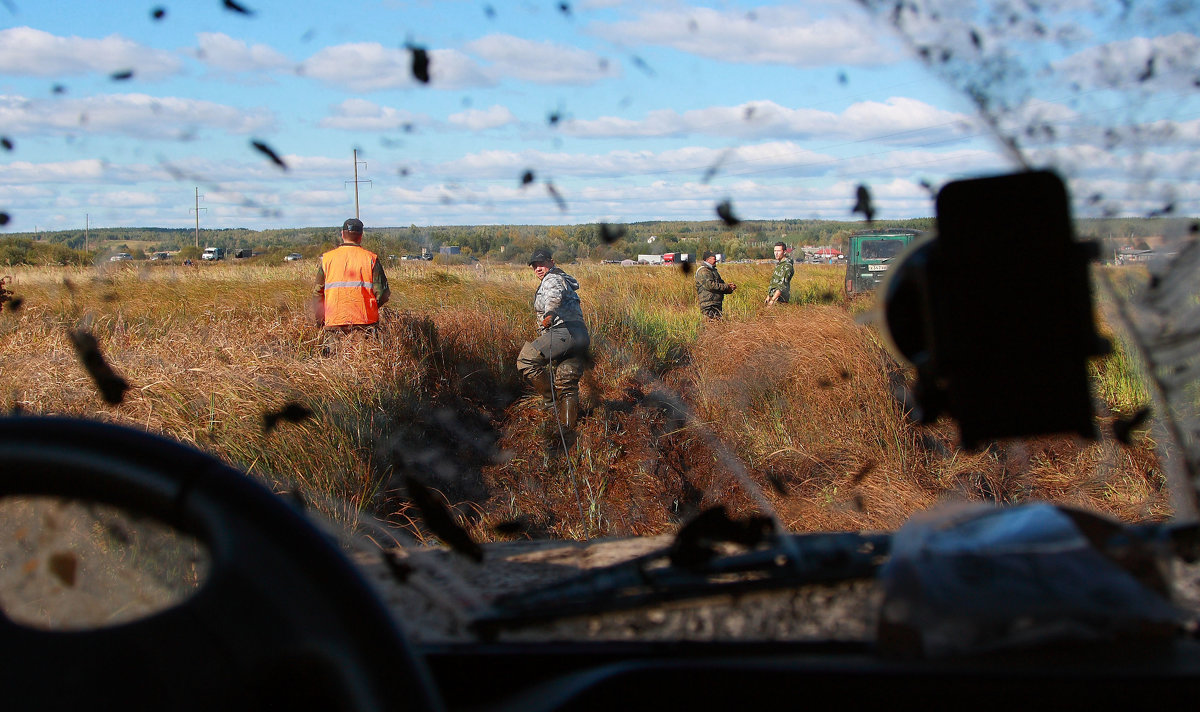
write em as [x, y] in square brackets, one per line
[801, 395]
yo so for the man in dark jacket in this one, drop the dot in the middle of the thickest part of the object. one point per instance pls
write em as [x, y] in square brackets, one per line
[710, 288]
[563, 340]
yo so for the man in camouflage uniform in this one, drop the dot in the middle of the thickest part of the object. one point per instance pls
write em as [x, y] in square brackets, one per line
[780, 289]
[710, 288]
[562, 340]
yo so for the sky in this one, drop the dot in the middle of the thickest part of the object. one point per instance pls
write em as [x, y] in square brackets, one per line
[154, 114]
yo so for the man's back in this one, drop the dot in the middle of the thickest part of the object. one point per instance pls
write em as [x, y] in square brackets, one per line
[349, 286]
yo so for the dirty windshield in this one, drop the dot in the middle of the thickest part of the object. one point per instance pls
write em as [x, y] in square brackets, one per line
[471, 282]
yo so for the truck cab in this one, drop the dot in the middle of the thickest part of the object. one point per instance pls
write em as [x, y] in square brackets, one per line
[870, 254]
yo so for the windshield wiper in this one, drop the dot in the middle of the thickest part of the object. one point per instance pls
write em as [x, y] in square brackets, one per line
[652, 578]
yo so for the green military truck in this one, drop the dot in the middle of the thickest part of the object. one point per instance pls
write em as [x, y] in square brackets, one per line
[870, 254]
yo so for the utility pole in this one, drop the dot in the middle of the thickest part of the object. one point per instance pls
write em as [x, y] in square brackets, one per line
[87, 226]
[197, 211]
[356, 181]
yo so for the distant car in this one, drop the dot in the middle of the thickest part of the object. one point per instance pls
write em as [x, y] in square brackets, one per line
[160, 256]
[293, 256]
[120, 257]
[243, 254]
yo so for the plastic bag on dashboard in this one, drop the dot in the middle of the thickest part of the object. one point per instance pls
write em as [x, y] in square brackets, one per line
[975, 579]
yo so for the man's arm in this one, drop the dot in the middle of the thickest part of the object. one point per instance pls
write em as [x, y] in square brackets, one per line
[379, 284]
[317, 303]
[554, 287]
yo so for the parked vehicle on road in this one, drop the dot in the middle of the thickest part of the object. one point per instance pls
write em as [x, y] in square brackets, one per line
[870, 254]
[213, 253]
[293, 257]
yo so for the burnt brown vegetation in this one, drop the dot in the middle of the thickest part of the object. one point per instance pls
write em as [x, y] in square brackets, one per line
[797, 412]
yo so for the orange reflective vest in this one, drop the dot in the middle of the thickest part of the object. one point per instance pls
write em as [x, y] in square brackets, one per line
[349, 300]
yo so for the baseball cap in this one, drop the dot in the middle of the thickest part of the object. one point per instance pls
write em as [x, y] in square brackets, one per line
[540, 255]
[353, 225]
[706, 255]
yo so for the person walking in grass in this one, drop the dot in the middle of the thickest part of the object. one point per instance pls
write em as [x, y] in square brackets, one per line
[351, 284]
[554, 362]
[780, 289]
[710, 288]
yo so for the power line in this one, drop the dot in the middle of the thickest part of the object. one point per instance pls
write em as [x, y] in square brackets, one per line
[197, 210]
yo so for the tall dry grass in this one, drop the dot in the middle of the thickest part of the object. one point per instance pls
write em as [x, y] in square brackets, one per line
[802, 394]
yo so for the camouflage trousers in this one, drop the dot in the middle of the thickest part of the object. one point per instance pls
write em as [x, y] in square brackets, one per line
[711, 311]
[564, 346]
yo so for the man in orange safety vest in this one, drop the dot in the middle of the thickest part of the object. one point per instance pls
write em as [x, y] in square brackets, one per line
[351, 285]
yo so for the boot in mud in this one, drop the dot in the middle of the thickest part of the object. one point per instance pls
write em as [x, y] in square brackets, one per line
[542, 384]
[568, 410]
[566, 416]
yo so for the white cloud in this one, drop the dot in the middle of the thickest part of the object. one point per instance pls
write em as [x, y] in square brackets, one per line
[25, 51]
[127, 199]
[317, 198]
[480, 120]
[898, 120]
[906, 164]
[1038, 124]
[233, 55]
[12, 193]
[768, 35]
[541, 62]
[688, 200]
[1167, 62]
[24, 172]
[363, 115]
[137, 115]
[369, 66]
[690, 161]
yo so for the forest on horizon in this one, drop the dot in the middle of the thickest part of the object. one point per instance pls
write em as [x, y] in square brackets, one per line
[513, 243]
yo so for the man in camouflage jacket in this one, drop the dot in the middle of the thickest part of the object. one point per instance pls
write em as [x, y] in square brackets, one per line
[563, 340]
[780, 289]
[710, 288]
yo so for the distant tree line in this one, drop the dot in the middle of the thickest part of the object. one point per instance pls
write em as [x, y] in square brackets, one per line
[27, 251]
[514, 243]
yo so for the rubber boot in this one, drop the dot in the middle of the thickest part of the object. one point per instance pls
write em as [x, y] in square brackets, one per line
[541, 384]
[568, 410]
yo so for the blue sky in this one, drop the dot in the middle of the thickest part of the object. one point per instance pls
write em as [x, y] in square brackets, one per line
[663, 109]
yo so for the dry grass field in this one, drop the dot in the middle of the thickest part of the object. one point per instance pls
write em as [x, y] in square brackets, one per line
[792, 408]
